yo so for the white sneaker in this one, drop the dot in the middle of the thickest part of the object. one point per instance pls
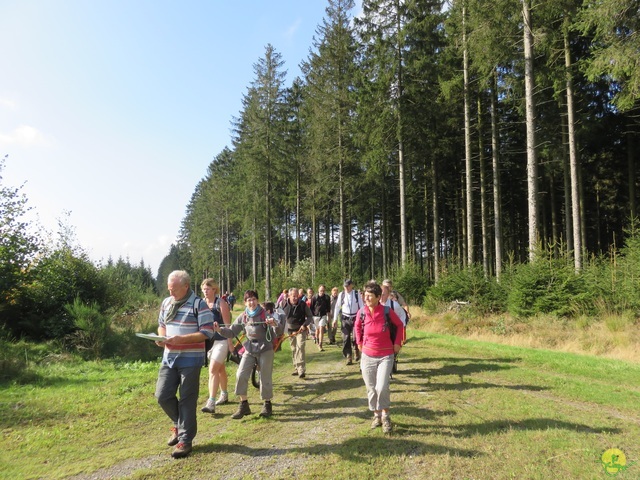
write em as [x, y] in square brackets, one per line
[222, 399]
[209, 407]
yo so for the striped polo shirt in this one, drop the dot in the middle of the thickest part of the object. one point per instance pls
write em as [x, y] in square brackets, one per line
[185, 322]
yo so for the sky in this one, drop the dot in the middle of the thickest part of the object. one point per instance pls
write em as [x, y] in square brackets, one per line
[112, 110]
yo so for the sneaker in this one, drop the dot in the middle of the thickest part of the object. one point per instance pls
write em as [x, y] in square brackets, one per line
[320, 349]
[181, 450]
[302, 375]
[209, 407]
[349, 361]
[386, 424]
[295, 373]
[376, 422]
[173, 439]
[223, 399]
[266, 410]
[243, 409]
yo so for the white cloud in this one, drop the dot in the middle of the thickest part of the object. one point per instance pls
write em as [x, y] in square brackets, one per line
[291, 31]
[8, 103]
[25, 136]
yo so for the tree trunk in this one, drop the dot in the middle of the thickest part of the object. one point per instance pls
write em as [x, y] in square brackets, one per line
[314, 258]
[298, 193]
[497, 196]
[573, 156]
[568, 205]
[401, 159]
[467, 141]
[484, 208]
[532, 161]
[436, 216]
[254, 258]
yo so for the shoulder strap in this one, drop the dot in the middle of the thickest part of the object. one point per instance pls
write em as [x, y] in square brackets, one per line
[196, 306]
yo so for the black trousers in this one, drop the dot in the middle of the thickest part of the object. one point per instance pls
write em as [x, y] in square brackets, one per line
[348, 343]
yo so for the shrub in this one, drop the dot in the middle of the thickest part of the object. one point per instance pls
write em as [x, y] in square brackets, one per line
[547, 286]
[411, 282]
[485, 295]
[92, 328]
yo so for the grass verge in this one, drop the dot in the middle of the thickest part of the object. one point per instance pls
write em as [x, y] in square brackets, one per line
[462, 409]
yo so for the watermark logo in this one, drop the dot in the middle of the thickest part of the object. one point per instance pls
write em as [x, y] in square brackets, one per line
[614, 461]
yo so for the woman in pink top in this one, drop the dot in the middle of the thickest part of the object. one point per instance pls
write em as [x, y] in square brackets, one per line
[373, 337]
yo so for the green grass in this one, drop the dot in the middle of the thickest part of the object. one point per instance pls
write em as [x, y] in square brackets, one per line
[462, 410]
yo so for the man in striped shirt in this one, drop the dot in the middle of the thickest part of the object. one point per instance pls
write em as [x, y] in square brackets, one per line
[187, 322]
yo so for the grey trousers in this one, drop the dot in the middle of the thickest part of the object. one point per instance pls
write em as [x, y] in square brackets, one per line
[265, 362]
[182, 412]
[376, 373]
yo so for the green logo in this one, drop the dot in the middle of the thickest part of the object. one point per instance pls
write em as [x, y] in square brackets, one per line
[614, 461]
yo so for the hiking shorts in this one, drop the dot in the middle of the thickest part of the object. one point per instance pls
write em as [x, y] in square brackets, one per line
[320, 321]
[218, 352]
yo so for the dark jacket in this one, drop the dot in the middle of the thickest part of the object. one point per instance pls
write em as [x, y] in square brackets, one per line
[321, 305]
[297, 315]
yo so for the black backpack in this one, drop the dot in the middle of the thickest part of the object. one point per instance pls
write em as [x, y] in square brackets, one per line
[393, 330]
[217, 317]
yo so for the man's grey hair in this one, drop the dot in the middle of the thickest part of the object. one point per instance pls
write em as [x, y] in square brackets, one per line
[292, 289]
[387, 282]
[181, 275]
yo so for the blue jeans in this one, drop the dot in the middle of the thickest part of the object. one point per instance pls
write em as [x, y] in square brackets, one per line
[182, 413]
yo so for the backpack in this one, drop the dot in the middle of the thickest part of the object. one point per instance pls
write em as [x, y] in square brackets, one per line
[217, 317]
[393, 329]
[341, 297]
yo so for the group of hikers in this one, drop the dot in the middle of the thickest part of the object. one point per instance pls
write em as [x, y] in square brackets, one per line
[372, 322]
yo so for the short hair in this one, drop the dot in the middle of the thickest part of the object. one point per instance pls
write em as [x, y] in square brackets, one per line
[210, 282]
[181, 275]
[269, 306]
[387, 282]
[373, 287]
[250, 294]
[291, 290]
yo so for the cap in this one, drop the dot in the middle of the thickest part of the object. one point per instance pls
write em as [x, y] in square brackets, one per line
[348, 282]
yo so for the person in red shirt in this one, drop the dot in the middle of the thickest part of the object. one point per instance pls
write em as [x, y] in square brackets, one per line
[374, 339]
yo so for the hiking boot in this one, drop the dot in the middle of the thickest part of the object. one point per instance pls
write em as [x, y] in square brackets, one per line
[295, 373]
[302, 375]
[266, 409]
[243, 409]
[376, 422]
[209, 407]
[173, 439]
[181, 450]
[223, 399]
[349, 362]
[386, 424]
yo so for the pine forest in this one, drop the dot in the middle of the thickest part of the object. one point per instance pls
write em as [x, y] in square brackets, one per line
[431, 136]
